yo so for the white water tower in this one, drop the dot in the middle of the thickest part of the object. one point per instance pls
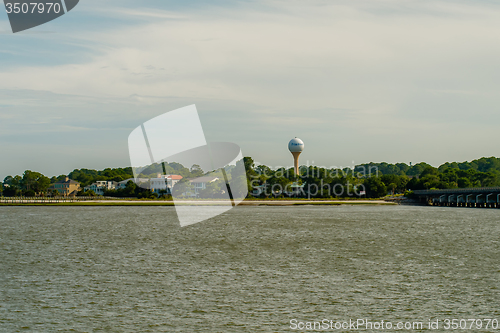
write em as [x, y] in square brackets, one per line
[296, 146]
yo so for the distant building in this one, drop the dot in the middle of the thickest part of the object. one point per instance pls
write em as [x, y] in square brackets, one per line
[258, 190]
[66, 187]
[160, 183]
[101, 186]
[163, 183]
[201, 183]
[294, 189]
[142, 182]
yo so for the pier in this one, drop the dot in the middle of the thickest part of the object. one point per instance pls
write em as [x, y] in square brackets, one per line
[482, 197]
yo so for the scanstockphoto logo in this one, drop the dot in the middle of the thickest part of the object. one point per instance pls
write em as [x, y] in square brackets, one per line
[27, 14]
[174, 143]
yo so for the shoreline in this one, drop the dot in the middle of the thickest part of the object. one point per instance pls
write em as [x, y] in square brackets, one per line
[251, 203]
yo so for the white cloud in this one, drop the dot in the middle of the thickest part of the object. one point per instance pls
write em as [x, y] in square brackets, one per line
[286, 68]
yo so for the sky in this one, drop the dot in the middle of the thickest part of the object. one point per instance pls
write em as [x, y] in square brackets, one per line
[358, 81]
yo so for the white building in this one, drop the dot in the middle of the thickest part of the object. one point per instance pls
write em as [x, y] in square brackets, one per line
[163, 183]
[100, 186]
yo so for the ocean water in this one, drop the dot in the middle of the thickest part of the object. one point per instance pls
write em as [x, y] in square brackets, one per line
[253, 269]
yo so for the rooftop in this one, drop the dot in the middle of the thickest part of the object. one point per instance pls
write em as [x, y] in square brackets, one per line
[206, 179]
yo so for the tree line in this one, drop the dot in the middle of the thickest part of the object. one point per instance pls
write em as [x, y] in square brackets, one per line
[374, 180]
[371, 180]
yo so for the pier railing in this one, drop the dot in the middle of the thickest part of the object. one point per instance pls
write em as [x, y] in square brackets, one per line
[457, 190]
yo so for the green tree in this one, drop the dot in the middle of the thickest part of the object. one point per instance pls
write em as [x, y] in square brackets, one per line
[35, 181]
[240, 187]
[183, 188]
[196, 171]
[29, 193]
[12, 186]
[375, 188]
[213, 190]
[130, 189]
[464, 182]
[89, 193]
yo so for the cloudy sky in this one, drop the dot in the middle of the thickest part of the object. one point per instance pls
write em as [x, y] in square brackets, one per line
[395, 81]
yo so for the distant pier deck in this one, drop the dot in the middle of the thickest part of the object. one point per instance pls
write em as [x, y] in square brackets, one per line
[481, 197]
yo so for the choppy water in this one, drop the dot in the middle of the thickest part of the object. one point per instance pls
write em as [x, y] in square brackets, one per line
[132, 269]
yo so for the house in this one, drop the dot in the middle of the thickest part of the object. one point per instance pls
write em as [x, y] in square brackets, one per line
[259, 190]
[201, 183]
[66, 187]
[295, 189]
[163, 183]
[100, 186]
[141, 182]
[160, 183]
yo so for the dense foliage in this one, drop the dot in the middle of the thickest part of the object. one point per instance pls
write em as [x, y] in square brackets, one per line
[375, 179]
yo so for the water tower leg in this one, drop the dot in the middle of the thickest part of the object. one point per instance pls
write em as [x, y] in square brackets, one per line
[296, 162]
